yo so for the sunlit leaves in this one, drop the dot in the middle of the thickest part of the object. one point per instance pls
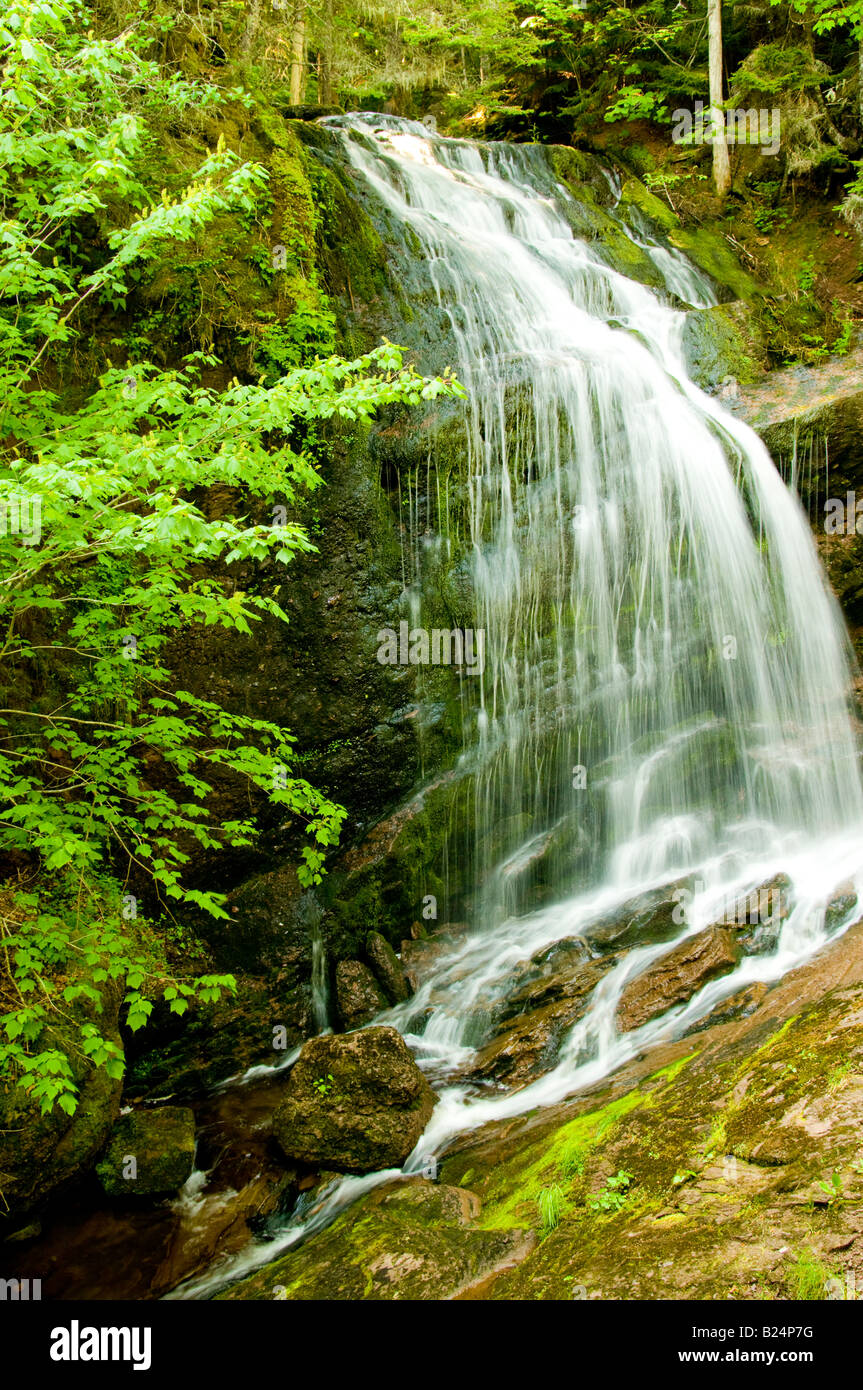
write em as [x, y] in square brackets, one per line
[106, 763]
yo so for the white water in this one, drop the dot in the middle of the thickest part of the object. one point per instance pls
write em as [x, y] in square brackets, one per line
[655, 615]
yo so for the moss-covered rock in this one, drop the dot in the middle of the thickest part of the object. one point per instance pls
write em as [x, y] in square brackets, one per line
[720, 1166]
[386, 968]
[706, 247]
[150, 1153]
[723, 341]
[358, 996]
[592, 220]
[409, 1240]
[354, 1103]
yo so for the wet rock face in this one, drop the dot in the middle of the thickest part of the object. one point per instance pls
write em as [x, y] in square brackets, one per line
[535, 1020]
[185, 1057]
[354, 1103]
[641, 923]
[676, 976]
[150, 1153]
[741, 1004]
[358, 995]
[723, 342]
[743, 1156]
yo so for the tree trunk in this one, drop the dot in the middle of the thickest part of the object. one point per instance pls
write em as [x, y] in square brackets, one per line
[298, 56]
[325, 58]
[721, 165]
[253, 24]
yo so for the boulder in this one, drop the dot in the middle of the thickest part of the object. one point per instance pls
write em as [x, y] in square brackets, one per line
[646, 921]
[358, 996]
[354, 1102]
[676, 976]
[386, 968]
[723, 341]
[150, 1153]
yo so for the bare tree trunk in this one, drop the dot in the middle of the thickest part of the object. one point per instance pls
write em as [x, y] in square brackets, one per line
[298, 56]
[721, 165]
[253, 24]
[325, 58]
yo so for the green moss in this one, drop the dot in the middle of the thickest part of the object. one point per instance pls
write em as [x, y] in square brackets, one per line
[720, 342]
[634, 194]
[150, 1152]
[808, 1277]
[408, 1241]
[513, 1188]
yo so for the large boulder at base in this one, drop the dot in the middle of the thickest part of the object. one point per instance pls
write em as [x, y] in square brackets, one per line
[354, 1102]
[386, 968]
[150, 1153]
[676, 976]
[358, 996]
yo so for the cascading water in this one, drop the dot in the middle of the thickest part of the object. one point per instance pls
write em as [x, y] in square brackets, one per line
[666, 675]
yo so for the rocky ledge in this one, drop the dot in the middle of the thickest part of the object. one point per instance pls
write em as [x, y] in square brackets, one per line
[722, 1165]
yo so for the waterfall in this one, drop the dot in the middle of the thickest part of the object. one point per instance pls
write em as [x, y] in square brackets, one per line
[666, 679]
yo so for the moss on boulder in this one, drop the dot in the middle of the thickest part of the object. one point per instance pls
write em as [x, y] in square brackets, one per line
[354, 1103]
[723, 341]
[409, 1240]
[150, 1153]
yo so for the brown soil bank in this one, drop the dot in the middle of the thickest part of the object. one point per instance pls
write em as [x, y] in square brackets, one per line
[723, 1165]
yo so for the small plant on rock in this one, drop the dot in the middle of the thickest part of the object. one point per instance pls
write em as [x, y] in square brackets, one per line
[614, 1195]
[550, 1204]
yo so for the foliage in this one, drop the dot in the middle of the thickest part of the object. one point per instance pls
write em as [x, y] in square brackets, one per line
[107, 549]
[833, 1190]
[808, 1277]
[827, 15]
[550, 1206]
[632, 104]
[613, 1196]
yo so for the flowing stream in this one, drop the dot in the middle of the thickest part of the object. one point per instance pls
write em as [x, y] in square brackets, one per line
[665, 687]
